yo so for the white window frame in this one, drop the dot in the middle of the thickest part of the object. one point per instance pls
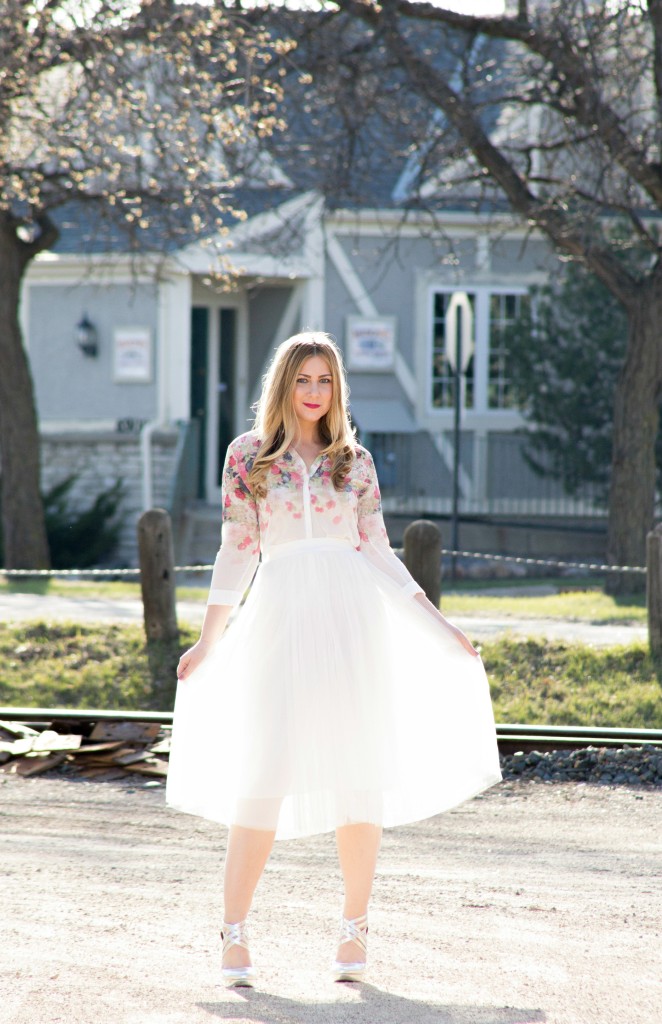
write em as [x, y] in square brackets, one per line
[480, 414]
[491, 292]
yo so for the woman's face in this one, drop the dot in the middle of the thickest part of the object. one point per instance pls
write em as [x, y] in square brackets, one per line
[313, 390]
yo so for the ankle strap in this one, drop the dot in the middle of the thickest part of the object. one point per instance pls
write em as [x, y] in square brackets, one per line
[234, 935]
[355, 929]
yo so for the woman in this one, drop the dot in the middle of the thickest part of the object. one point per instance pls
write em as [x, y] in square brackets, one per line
[341, 698]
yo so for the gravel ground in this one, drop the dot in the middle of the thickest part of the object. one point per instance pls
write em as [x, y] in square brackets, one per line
[641, 766]
[533, 902]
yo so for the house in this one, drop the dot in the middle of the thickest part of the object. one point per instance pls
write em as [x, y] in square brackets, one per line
[145, 367]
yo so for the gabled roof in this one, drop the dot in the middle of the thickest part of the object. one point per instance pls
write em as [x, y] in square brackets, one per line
[369, 145]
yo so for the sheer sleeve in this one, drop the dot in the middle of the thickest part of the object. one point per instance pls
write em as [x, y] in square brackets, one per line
[239, 552]
[372, 532]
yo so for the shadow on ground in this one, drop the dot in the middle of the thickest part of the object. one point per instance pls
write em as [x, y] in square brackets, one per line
[373, 1006]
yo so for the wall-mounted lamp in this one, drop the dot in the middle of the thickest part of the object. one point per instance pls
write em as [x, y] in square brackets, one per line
[86, 337]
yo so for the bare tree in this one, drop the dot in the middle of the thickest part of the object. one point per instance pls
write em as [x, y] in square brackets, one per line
[555, 112]
[135, 115]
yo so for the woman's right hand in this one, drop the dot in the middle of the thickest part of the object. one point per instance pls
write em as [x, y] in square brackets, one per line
[190, 659]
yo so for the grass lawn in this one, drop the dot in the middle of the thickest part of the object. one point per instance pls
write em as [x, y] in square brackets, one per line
[584, 602]
[551, 683]
[93, 589]
[535, 682]
[70, 665]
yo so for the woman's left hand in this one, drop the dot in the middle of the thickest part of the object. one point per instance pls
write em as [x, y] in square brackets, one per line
[457, 633]
[464, 640]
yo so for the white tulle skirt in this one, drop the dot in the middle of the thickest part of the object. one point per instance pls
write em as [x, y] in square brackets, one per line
[331, 699]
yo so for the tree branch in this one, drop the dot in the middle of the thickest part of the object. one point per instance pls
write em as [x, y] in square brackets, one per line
[588, 107]
[655, 15]
[46, 239]
[428, 82]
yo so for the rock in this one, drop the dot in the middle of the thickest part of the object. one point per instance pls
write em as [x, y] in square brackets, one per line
[640, 767]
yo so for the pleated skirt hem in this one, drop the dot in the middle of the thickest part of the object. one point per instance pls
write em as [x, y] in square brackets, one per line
[332, 699]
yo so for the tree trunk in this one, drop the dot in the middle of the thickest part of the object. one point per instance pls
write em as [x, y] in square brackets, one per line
[636, 423]
[24, 532]
[654, 590]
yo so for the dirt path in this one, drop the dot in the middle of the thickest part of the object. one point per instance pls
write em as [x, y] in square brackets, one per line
[532, 903]
[26, 607]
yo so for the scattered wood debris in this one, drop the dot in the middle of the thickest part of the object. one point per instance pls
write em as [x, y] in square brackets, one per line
[104, 750]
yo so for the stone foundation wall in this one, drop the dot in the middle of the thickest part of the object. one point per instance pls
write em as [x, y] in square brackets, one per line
[98, 460]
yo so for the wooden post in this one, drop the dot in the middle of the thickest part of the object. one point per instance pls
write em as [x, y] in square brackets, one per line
[422, 556]
[654, 589]
[157, 581]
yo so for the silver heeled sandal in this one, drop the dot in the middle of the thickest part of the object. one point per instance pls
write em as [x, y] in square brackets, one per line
[236, 935]
[352, 930]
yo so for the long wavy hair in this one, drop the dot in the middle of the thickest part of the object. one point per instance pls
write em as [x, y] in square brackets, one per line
[275, 419]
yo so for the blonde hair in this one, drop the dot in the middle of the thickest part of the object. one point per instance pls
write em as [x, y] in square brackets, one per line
[275, 418]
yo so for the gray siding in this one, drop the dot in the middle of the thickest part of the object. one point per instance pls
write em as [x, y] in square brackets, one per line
[70, 385]
[520, 257]
[374, 385]
[266, 307]
[339, 304]
[387, 269]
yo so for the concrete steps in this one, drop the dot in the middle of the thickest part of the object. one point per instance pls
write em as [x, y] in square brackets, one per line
[199, 535]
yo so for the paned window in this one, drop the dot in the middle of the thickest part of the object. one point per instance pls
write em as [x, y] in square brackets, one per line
[484, 318]
[444, 379]
[504, 311]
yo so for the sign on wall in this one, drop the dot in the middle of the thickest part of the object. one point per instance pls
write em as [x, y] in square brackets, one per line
[370, 343]
[132, 355]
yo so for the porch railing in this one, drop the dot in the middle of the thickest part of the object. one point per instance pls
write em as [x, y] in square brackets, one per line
[416, 479]
[184, 482]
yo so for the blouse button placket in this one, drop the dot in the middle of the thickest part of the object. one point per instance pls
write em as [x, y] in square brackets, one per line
[305, 493]
[306, 505]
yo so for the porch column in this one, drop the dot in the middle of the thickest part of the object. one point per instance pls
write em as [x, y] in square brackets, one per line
[174, 366]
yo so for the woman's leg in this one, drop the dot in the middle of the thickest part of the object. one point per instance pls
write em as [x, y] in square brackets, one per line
[247, 853]
[358, 846]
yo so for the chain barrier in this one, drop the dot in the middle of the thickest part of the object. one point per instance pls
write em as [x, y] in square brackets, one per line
[72, 572]
[555, 563]
[516, 559]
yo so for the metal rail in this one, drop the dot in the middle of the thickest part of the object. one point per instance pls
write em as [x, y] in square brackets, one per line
[29, 716]
[508, 734]
[606, 735]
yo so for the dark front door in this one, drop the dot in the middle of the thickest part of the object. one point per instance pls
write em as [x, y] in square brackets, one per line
[199, 389]
[213, 392]
[227, 362]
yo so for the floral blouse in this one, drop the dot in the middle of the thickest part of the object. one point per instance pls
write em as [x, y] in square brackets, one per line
[299, 504]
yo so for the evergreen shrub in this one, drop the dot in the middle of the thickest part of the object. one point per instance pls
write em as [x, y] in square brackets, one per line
[79, 539]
